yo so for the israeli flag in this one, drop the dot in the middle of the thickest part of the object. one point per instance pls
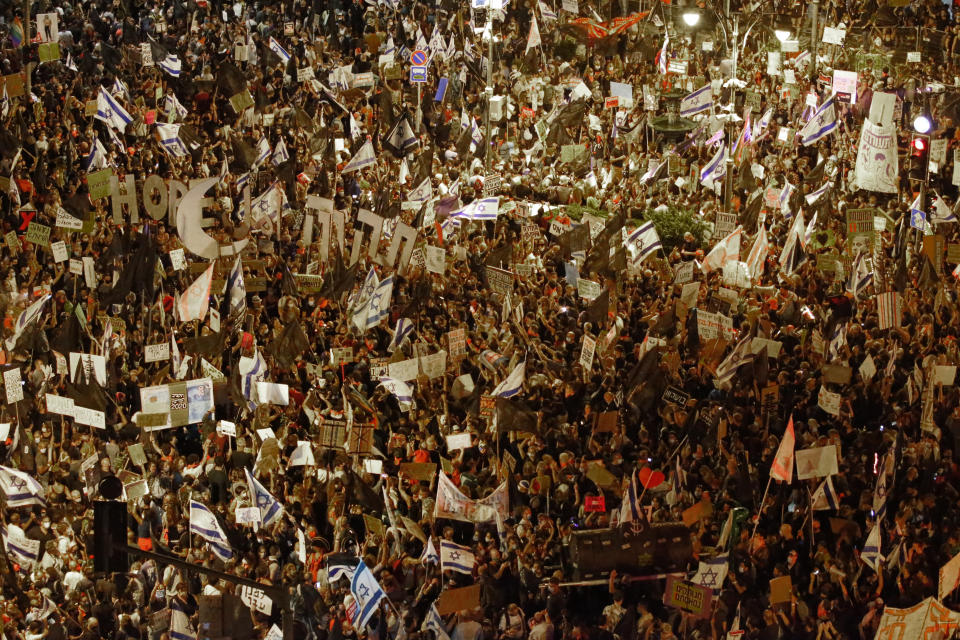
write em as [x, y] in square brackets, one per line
[120, 89]
[699, 100]
[450, 226]
[546, 12]
[825, 497]
[110, 111]
[716, 168]
[374, 310]
[871, 549]
[252, 371]
[422, 193]
[918, 218]
[270, 508]
[367, 594]
[784, 200]
[454, 557]
[21, 489]
[401, 391]
[822, 124]
[430, 555]
[173, 108]
[172, 65]
[402, 331]
[711, 573]
[280, 51]
[364, 158]
[280, 154]
[263, 151]
[236, 290]
[513, 383]
[23, 550]
[204, 524]
[630, 505]
[644, 241]
[170, 140]
[433, 622]
[483, 209]
[813, 197]
[98, 156]
[180, 628]
[340, 565]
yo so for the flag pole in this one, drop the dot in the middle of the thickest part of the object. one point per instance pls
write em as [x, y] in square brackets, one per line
[760, 509]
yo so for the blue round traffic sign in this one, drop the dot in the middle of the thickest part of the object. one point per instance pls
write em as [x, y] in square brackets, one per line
[418, 58]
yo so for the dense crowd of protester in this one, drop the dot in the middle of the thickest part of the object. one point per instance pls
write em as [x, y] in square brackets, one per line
[261, 96]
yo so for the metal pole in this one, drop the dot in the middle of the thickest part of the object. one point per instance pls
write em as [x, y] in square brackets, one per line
[26, 43]
[728, 179]
[736, 46]
[814, 39]
[489, 92]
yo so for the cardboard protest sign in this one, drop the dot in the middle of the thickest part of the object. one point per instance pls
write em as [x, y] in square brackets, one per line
[455, 600]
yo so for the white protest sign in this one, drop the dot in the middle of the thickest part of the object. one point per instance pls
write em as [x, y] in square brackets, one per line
[90, 417]
[156, 352]
[178, 260]
[59, 404]
[588, 289]
[257, 600]
[89, 274]
[60, 253]
[373, 465]
[683, 273]
[845, 82]
[832, 35]
[868, 368]
[817, 462]
[624, 93]
[12, 386]
[457, 441]
[404, 370]
[586, 351]
[227, 428]
[273, 393]
[76, 267]
[67, 221]
[275, 633]
[829, 401]
[773, 63]
[434, 364]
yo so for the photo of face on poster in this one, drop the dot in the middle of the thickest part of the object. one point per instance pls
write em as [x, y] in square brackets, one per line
[48, 26]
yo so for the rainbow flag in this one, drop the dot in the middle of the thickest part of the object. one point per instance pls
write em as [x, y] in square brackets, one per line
[16, 33]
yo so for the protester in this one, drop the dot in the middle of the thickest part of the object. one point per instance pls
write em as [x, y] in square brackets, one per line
[323, 327]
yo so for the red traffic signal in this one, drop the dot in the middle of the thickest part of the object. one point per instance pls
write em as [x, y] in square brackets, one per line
[919, 145]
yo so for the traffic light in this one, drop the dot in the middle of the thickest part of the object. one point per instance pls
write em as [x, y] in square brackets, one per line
[919, 157]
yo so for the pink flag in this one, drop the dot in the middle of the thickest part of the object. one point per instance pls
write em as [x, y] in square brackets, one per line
[782, 467]
[194, 302]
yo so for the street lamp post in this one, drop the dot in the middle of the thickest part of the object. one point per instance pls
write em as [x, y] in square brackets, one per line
[814, 40]
[26, 43]
[489, 92]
